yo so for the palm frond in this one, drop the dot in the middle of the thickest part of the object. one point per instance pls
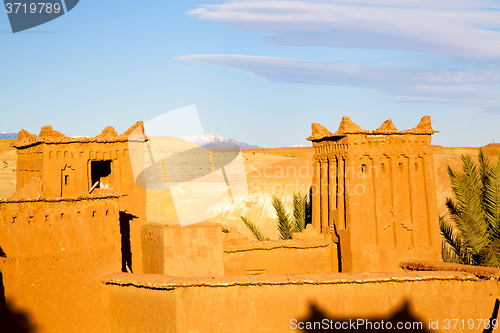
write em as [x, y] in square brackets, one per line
[492, 254]
[299, 211]
[284, 224]
[474, 238]
[467, 211]
[254, 229]
[491, 197]
[448, 255]
[453, 248]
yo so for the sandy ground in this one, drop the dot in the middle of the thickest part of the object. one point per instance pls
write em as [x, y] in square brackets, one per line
[281, 171]
[7, 169]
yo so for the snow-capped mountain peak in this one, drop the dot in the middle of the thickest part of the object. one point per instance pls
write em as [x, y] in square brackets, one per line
[212, 140]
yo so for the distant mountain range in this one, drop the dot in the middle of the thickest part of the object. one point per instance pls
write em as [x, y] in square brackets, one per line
[215, 141]
[9, 136]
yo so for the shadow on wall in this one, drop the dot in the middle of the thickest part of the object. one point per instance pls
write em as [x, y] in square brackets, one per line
[401, 320]
[11, 321]
[317, 321]
[494, 316]
[125, 219]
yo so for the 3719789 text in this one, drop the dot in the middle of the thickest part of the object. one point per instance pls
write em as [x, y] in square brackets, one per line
[32, 8]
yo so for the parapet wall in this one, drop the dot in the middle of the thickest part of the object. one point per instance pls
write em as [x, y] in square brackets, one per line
[193, 250]
[202, 250]
[279, 303]
[277, 257]
[56, 251]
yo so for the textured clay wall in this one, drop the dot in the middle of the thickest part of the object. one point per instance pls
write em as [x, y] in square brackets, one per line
[193, 250]
[202, 250]
[56, 250]
[271, 303]
[374, 193]
[277, 257]
[29, 165]
[69, 167]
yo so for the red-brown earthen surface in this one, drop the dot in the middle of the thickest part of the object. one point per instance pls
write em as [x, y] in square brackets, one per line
[75, 216]
[56, 250]
[64, 241]
[374, 194]
[66, 167]
[271, 303]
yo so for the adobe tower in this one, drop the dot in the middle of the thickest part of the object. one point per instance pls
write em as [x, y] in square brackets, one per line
[374, 194]
[64, 168]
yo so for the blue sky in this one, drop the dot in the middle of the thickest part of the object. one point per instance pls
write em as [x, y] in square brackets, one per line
[259, 71]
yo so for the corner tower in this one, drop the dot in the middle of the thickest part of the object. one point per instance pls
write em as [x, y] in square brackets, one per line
[374, 194]
[55, 166]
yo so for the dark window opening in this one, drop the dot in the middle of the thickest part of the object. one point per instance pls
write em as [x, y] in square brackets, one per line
[125, 219]
[100, 174]
[363, 168]
[66, 179]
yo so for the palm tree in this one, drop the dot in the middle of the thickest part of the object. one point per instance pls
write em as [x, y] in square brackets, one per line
[473, 237]
[287, 225]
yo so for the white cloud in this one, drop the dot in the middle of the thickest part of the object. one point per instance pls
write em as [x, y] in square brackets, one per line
[461, 28]
[463, 87]
[468, 30]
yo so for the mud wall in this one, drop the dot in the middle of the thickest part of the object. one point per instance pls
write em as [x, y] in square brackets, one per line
[55, 252]
[277, 257]
[375, 192]
[69, 167]
[202, 250]
[272, 303]
[193, 250]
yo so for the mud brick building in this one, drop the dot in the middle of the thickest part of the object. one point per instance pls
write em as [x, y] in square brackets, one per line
[77, 253]
[374, 193]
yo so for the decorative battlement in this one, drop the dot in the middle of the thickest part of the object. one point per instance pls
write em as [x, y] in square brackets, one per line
[50, 136]
[347, 126]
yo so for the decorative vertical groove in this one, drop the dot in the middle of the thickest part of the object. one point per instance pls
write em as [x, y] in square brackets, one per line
[324, 194]
[316, 196]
